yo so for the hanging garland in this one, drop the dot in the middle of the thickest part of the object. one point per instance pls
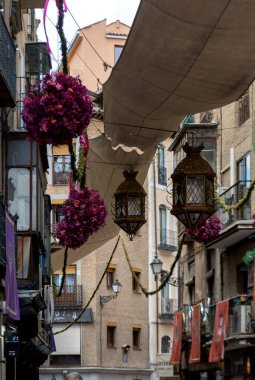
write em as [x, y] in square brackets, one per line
[239, 204]
[144, 290]
[166, 279]
[94, 292]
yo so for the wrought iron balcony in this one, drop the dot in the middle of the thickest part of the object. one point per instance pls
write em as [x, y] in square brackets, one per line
[71, 297]
[240, 317]
[167, 240]
[7, 67]
[162, 175]
[231, 196]
[168, 308]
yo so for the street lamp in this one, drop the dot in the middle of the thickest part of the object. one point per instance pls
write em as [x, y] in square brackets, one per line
[116, 287]
[156, 266]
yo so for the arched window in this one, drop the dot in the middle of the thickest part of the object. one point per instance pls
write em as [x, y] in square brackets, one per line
[165, 344]
[162, 174]
[163, 225]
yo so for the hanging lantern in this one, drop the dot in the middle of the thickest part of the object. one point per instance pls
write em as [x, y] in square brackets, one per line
[193, 188]
[130, 204]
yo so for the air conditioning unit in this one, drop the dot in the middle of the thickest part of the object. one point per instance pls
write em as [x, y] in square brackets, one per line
[167, 306]
[242, 319]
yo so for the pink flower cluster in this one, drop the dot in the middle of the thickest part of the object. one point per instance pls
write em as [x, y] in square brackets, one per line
[208, 231]
[84, 213]
[57, 109]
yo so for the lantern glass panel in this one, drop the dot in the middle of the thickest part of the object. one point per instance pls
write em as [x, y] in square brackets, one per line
[195, 190]
[194, 217]
[120, 209]
[134, 205]
[177, 198]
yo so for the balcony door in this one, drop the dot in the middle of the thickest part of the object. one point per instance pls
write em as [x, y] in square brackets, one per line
[163, 224]
[244, 180]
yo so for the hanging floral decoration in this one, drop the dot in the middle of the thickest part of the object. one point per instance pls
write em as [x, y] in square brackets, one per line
[208, 231]
[57, 109]
[84, 213]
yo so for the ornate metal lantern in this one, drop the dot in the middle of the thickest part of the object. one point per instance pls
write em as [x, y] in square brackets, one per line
[193, 188]
[130, 204]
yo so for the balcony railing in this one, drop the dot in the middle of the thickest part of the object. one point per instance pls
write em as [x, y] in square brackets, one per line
[231, 196]
[71, 297]
[167, 239]
[168, 308]
[162, 175]
[7, 67]
[240, 317]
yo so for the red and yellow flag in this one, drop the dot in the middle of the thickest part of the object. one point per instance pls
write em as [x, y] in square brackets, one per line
[195, 336]
[177, 339]
[220, 332]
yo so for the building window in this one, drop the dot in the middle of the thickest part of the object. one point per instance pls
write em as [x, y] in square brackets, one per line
[111, 336]
[165, 344]
[57, 216]
[241, 279]
[163, 224]
[244, 108]
[244, 169]
[25, 185]
[136, 337]
[61, 169]
[162, 171]
[135, 285]
[165, 293]
[117, 52]
[191, 282]
[210, 289]
[70, 280]
[110, 277]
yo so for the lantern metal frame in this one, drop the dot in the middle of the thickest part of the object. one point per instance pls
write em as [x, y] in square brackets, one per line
[129, 209]
[193, 188]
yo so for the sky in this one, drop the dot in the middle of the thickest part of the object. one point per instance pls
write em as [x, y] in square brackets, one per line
[85, 13]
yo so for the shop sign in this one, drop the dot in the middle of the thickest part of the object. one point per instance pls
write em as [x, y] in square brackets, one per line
[69, 315]
[163, 366]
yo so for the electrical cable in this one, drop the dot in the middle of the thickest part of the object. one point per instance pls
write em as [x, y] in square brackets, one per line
[69, 44]
[106, 65]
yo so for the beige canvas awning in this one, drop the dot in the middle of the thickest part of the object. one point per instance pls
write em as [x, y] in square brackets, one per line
[181, 57]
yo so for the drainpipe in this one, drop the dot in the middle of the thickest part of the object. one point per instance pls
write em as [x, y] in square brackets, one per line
[156, 249]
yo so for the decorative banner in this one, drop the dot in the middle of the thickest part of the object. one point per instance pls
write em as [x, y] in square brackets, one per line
[253, 276]
[11, 292]
[195, 337]
[220, 332]
[177, 339]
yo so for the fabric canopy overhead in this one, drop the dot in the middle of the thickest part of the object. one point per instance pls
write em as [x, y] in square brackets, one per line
[181, 57]
[104, 173]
